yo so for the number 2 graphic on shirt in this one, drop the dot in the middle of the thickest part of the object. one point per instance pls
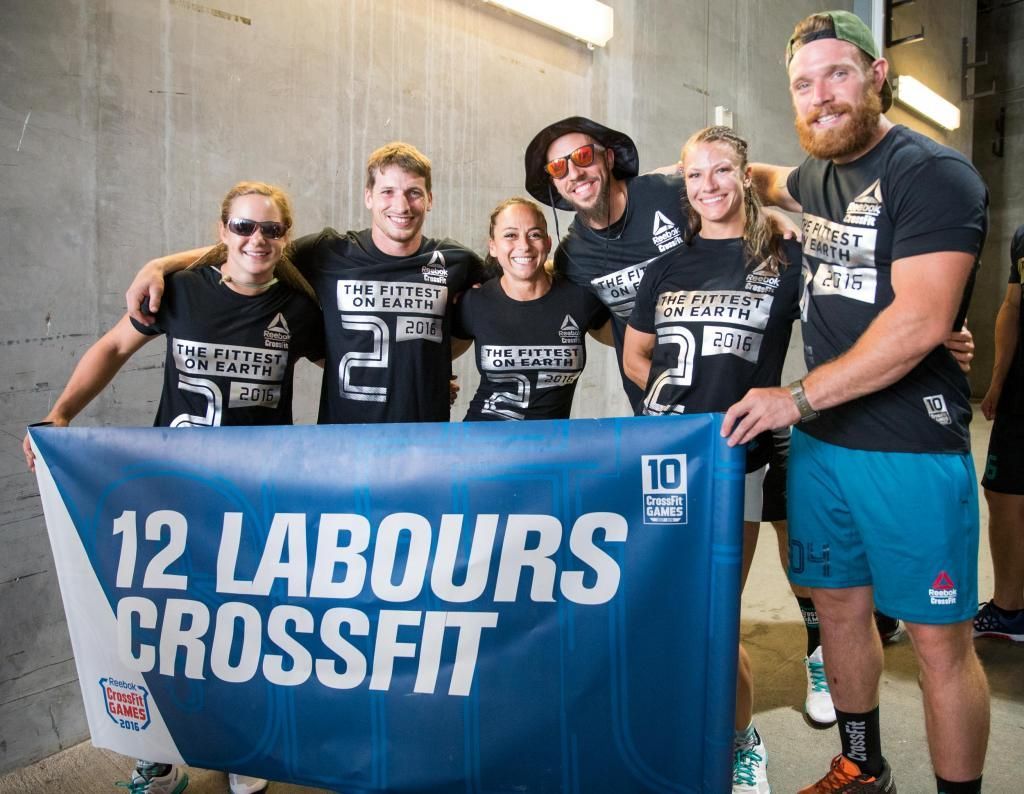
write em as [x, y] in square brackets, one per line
[375, 358]
[214, 403]
[679, 375]
[516, 397]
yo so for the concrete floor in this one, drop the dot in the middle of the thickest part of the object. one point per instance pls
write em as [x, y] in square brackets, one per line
[774, 636]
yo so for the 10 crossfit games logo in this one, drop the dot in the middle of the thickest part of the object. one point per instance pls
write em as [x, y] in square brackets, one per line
[664, 479]
[126, 703]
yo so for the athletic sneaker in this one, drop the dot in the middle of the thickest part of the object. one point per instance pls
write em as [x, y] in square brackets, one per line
[993, 622]
[153, 778]
[818, 704]
[750, 769]
[889, 629]
[845, 777]
[245, 784]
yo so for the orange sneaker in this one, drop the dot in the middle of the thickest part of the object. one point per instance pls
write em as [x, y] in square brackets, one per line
[845, 777]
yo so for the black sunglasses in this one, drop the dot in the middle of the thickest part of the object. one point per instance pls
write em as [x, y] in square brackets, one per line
[243, 227]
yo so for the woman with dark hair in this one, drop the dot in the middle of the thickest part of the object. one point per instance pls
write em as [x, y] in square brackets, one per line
[528, 324]
[236, 322]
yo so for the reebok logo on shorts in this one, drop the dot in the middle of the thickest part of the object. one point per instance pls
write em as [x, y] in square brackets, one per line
[942, 591]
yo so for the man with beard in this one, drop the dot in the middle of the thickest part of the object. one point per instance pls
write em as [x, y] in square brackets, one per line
[623, 221]
[883, 500]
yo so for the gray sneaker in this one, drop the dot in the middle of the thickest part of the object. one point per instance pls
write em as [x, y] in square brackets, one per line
[153, 778]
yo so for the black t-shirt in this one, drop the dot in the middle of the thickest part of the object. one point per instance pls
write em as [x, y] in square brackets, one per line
[723, 325]
[230, 357]
[611, 261]
[529, 353]
[387, 322]
[1011, 399]
[906, 197]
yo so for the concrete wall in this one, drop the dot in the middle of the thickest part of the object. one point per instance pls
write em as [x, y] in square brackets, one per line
[122, 123]
[935, 62]
[1001, 37]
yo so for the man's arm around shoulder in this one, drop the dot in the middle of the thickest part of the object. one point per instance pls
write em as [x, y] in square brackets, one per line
[770, 184]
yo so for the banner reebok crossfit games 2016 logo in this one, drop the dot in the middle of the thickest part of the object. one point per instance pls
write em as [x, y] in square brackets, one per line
[126, 703]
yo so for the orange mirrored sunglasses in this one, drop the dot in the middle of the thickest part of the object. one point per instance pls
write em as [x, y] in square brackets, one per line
[581, 158]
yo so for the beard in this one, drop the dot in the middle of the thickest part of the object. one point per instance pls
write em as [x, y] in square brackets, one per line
[598, 215]
[850, 138]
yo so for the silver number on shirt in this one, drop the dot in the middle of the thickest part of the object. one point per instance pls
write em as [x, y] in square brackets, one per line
[214, 403]
[516, 397]
[679, 375]
[376, 358]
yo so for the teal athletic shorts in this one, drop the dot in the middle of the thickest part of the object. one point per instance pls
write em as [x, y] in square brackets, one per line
[905, 523]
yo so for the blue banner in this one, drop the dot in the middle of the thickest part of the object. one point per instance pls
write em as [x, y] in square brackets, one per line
[475, 607]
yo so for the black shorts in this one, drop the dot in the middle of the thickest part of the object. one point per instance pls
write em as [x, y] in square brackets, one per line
[774, 486]
[1004, 466]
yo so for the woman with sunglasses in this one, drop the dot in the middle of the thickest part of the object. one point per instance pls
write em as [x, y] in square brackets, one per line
[236, 323]
[529, 326]
[712, 320]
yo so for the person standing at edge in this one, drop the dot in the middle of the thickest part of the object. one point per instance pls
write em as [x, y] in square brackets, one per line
[386, 293]
[883, 496]
[1003, 615]
[243, 296]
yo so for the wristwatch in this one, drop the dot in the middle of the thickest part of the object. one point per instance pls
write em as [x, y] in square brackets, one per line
[807, 413]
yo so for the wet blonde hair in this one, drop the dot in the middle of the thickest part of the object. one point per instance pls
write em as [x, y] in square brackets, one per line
[285, 270]
[760, 242]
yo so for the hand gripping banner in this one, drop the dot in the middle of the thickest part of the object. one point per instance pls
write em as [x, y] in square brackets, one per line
[475, 607]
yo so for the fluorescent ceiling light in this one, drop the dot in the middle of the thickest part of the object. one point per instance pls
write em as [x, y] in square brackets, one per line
[917, 96]
[587, 20]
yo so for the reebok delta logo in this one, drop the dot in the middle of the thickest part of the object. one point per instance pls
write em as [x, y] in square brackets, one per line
[277, 334]
[865, 209]
[435, 271]
[665, 234]
[127, 704]
[569, 333]
[763, 279]
[943, 591]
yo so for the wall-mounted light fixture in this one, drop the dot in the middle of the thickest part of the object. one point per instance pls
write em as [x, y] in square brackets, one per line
[917, 96]
[586, 20]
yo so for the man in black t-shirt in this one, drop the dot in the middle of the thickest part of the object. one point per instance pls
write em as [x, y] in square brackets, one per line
[1003, 615]
[883, 502]
[623, 221]
[386, 293]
